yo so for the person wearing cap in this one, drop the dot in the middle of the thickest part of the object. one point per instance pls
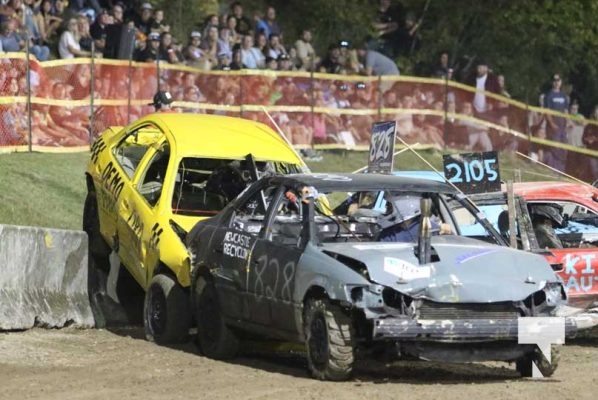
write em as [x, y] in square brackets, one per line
[344, 47]
[192, 51]
[162, 101]
[143, 21]
[151, 52]
[224, 60]
[285, 63]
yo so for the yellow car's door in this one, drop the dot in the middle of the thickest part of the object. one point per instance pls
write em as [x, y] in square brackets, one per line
[138, 197]
[152, 190]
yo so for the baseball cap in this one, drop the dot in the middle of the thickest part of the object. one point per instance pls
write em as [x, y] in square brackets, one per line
[146, 6]
[154, 36]
[195, 34]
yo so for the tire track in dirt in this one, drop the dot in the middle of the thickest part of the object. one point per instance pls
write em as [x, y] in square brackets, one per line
[99, 364]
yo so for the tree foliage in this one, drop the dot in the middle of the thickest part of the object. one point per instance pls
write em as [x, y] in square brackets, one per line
[526, 40]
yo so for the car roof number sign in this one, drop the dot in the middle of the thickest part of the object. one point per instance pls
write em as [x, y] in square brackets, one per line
[473, 172]
[382, 145]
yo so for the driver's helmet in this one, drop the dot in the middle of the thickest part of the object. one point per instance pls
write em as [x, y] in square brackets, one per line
[228, 180]
[161, 98]
[554, 212]
[400, 208]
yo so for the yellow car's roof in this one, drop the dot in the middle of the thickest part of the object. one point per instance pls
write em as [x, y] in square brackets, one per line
[223, 137]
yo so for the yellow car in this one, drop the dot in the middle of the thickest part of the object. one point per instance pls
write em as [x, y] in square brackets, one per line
[148, 184]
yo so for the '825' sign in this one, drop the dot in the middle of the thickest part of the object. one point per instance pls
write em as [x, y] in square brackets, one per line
[382, 147]
[473, 172]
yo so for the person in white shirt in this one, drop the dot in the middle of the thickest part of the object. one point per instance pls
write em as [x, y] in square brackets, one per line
[68, 46]
[252, 57]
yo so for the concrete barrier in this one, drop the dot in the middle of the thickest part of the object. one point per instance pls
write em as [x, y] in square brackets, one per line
[43, 278]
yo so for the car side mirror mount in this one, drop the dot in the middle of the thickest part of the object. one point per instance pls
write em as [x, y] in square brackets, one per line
[424, 245]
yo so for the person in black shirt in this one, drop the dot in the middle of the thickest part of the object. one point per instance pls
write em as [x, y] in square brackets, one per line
[331, 63]
[98, 28]
[386, 25]
[144, 20]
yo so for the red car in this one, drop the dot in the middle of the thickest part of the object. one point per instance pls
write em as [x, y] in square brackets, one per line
[579, 257]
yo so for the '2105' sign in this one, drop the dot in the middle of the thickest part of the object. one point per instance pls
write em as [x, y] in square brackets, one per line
[473, 172]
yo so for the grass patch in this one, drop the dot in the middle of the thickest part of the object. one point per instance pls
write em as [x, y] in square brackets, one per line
[42, 189]
[48, 190]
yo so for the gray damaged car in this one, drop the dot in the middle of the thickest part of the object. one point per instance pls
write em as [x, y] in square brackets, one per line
[307, 258]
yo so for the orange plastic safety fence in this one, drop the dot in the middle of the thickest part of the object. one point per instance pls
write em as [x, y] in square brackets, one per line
[74, 101]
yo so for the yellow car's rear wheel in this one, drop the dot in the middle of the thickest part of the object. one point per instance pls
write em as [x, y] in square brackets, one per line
[98, 263]
[98, 248]
[166, 315]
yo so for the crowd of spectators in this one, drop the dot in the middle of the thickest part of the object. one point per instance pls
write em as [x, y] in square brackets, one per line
[233, 40]
[67, 29]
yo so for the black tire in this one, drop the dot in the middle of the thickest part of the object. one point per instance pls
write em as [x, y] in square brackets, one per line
[524, 364]
[98, 248]
[214, 338]
[329, 341]
[166, 315]
[98, 264]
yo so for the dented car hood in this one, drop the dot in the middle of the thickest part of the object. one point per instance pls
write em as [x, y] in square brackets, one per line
[468, 271]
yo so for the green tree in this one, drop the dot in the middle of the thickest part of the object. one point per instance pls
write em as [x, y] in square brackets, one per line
[526, 40]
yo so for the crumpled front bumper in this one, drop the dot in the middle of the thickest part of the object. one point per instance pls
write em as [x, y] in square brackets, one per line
[459, 330]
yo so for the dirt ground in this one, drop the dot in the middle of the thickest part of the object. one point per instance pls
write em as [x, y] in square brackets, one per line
[100, 364]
